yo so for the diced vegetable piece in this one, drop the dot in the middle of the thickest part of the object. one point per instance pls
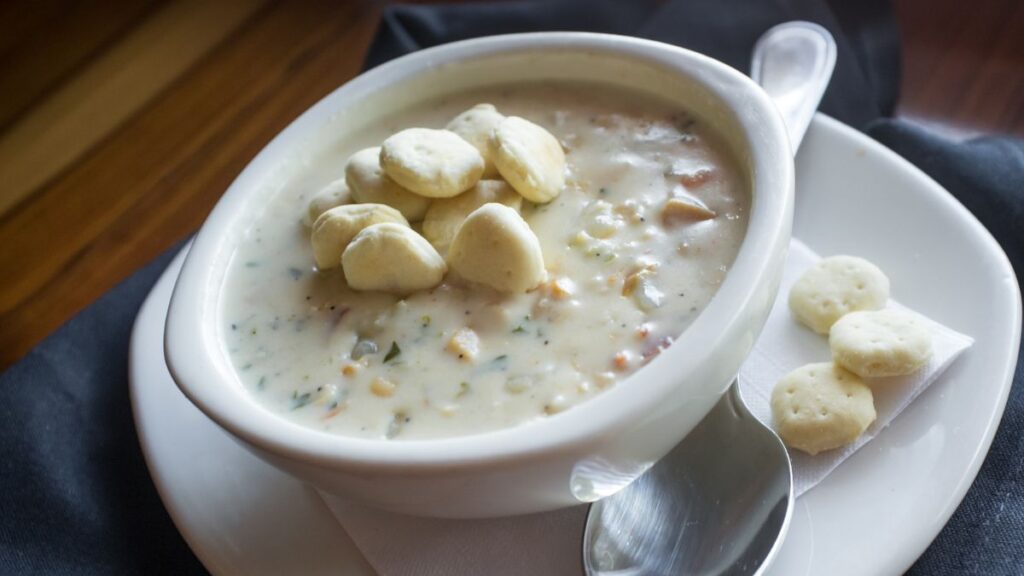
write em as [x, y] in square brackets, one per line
[648, 297]
[631, 210]
[397, 423]
[634, 280]
[697, 178]
[640, 287]
[603, 222]
[621, 361]
[382, 387]
[465, 344]
[326, 394]
[678, 210]
[363, 348]
[579, 239]
[561, 288]
[556, 405]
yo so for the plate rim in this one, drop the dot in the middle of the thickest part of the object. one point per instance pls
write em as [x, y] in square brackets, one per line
[923, 538]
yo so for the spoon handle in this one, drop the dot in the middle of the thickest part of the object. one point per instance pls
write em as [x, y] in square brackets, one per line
[793, 63]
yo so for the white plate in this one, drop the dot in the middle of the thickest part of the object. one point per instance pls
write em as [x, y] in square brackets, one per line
[874, 515]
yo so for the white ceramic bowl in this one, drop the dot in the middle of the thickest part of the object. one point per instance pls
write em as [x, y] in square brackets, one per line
[580, 455]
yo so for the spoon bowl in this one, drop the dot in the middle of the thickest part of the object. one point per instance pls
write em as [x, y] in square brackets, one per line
[716, 504]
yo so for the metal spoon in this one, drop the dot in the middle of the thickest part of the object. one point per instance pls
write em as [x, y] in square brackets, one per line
[720, 502]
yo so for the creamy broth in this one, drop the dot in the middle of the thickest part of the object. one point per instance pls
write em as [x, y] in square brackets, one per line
[376, 365]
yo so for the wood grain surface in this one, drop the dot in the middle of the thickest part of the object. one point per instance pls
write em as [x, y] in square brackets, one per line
[122, 122]
[963, 65]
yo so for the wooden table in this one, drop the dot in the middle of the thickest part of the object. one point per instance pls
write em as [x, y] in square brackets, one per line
[122, 121]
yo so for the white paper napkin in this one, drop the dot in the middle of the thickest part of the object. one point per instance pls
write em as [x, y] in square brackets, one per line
[785, 345]
[550, 543]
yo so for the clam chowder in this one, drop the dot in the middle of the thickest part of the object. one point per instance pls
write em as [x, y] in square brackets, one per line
[635, 242]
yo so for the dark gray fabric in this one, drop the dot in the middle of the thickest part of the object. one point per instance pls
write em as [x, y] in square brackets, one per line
[75, 495]
[77, 498]
[863, 88]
